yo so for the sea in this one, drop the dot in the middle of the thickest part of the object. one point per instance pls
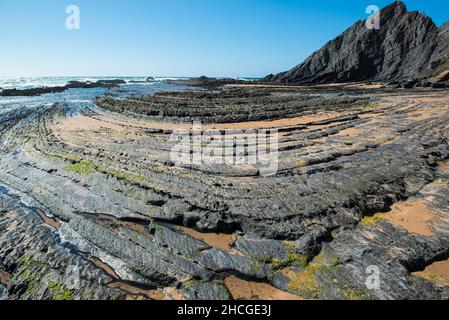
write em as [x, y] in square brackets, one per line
[81, 97]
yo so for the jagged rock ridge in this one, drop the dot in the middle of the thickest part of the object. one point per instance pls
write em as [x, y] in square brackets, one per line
[407, 46]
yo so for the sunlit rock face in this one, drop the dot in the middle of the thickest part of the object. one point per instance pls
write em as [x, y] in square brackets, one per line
[408, 45]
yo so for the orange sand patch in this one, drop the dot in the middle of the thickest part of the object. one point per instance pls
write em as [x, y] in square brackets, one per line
[287, 122]
[372, 115]
[312, 128]
[138, 293]
[79, 123]
[387, 140]
[150, 294]
[438, 271]
[443, 166]
[68, 129]
[242, 289]
[367, 86]
[350, 132]
[5, 278]
[51, 222]
[216, 240]
[136, 227]
[173, 294]
[117, 120]
[427, 113]
[106, 268]
[430, 98]
[415, 217]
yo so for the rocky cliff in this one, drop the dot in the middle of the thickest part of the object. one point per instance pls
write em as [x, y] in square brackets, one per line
[407, 46]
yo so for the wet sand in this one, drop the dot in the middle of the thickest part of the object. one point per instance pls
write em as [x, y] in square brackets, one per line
[80, 123]
[50, 221]
[106, 268]
[414, 216]
[173, 294]
[437, 271]
[221, 241]
[5, 278]
[443, 166]
[350, 132]
[242, 289]
[151, 294]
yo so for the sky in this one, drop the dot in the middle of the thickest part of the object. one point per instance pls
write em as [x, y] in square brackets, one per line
[223, 38]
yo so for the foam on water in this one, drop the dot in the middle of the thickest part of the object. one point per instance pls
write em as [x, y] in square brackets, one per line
[75, 96]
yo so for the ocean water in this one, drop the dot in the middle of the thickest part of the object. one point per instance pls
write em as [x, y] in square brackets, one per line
[33, 82]
[81, 97]
[77, 97]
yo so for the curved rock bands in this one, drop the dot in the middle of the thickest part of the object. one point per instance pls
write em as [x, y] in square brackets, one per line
[99, 191]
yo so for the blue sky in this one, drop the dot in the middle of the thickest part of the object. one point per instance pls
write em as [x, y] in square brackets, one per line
[176, 37]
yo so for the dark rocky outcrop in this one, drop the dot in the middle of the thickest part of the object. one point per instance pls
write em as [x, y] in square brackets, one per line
[70, 85]
[206, 82]
[110, 200]
[147, 80]
[407, 46]
[234, 105]
[440, 57]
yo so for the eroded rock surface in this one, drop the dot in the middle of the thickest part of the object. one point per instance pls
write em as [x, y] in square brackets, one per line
[95, 190]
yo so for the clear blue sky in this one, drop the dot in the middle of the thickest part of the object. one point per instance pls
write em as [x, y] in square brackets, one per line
[175, 37]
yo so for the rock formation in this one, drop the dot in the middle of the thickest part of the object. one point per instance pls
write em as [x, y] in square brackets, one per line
[99, 191]
[407, 46]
